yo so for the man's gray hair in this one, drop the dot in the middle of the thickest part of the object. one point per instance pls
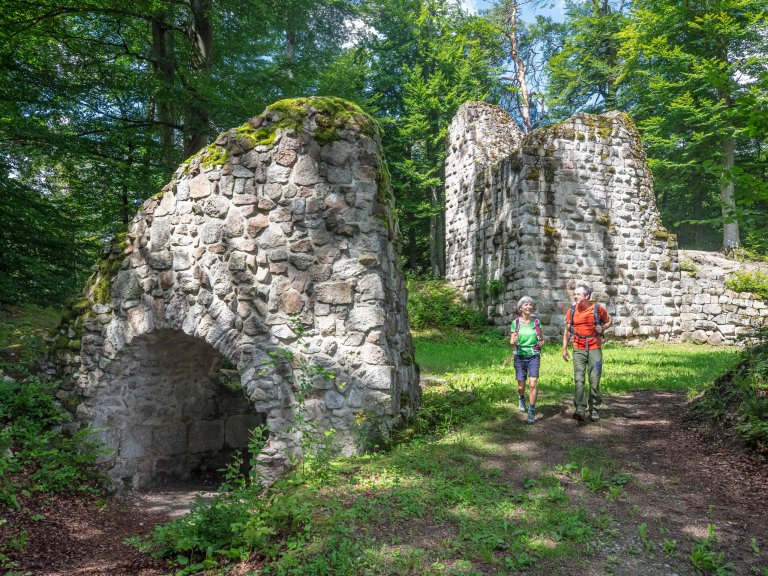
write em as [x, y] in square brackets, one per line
[524, 300]
[587, 290]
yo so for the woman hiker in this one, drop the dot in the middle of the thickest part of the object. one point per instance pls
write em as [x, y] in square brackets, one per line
[527, 339]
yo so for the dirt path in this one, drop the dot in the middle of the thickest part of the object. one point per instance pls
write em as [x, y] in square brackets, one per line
[680, 483]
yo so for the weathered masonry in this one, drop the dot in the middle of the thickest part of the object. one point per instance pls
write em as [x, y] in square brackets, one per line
[264, 271]
[566, 204]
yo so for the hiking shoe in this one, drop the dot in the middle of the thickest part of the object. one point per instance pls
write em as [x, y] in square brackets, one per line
[531, 417]
[594, 416]
[578, 416]
[521, 406]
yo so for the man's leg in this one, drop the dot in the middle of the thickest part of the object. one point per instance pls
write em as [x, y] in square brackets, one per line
[580, 361]
[595, 371]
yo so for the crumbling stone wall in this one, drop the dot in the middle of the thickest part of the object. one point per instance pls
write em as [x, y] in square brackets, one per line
[712, 313]
[539, 213]
[268, 264]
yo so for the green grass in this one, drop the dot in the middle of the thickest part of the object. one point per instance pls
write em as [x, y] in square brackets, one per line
[653, 366]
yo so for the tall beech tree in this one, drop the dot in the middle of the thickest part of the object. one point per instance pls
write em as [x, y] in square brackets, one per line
[699, 78]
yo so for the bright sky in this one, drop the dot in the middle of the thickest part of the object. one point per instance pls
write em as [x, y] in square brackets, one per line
[555, 8]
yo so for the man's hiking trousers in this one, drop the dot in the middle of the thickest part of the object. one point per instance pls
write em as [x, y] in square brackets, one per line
[591, 363]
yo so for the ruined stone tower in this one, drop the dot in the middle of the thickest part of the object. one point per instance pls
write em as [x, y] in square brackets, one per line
[565, 204]
[266, 271]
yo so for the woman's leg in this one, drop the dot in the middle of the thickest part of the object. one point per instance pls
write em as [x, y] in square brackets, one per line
[533, 389]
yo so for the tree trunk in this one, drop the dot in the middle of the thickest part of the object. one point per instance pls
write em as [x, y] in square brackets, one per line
[731, 239]
[163, 64]
[412, 254]
[510, 24]
[611, 58]
[437, 238]
[200, 33]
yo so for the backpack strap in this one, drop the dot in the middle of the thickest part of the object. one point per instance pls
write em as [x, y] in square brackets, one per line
[539, 335]
[598, 335]
[596, 309]
[573, 313]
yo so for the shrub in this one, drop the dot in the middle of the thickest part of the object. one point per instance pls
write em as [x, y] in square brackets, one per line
[755, 282]
[738, 400]
[437, 304]
[35, 456]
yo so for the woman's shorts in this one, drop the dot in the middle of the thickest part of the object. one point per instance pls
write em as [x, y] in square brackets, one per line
[527, 366]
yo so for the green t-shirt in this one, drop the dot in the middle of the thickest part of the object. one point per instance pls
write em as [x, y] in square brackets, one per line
[526, 339]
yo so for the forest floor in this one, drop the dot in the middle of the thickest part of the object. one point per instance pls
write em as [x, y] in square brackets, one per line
[683, 480]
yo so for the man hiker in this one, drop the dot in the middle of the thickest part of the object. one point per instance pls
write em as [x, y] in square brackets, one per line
[586, 322]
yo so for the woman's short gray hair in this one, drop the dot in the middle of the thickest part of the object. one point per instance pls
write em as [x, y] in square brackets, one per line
[524, 300]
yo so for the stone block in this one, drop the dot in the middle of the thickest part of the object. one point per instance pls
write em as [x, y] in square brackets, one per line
[379, 377]
[206, 436]
[169, 439]
[239, 427]
[363, 318]
[335, 292]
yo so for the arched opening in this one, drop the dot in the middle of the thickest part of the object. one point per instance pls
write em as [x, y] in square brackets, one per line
[171, 407]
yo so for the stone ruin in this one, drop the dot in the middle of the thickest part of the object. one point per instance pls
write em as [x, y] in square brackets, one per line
[265, 272]
[569, 203]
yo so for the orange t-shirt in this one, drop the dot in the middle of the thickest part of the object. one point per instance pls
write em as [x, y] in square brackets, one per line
[584, 325]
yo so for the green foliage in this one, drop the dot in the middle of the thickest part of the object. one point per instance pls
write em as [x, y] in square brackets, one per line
[737, 402]
[437, 304]
[35, 456]
[687, 265]
[41, 247]
[430, 57]
[22, 334]
[683, 65]
[706, 559]
[584, 74]
[755, 282]
[474, 365]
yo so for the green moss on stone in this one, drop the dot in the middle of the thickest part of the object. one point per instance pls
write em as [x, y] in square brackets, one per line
[661, 234]
[549, 171]
[605, 220]
[101, 282]
[532, 173]
[213, 155]
[330, 115]
[551, 233]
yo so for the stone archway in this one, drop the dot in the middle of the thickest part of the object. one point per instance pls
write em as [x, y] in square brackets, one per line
[279, 238]
[171, 406]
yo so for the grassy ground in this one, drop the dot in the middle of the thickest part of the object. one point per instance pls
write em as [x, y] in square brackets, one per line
[652, 366]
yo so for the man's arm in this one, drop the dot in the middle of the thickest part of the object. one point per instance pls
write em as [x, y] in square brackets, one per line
[605, 320]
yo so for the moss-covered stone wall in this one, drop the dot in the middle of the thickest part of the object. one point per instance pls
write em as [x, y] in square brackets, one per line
[271, 252]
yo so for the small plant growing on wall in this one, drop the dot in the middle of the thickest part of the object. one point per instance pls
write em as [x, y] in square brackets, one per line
[493, 288]
[687, 265]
